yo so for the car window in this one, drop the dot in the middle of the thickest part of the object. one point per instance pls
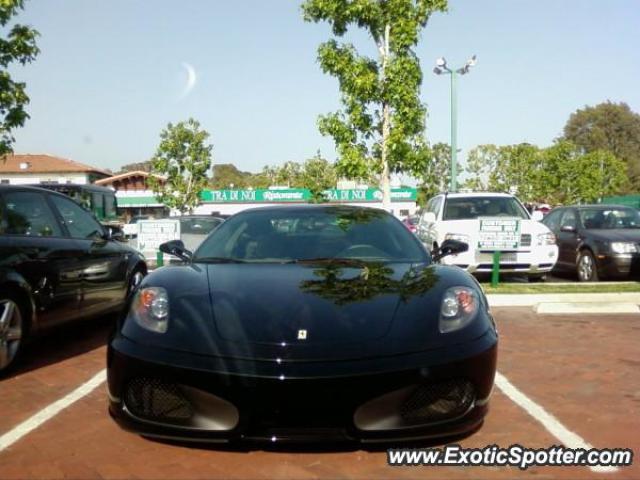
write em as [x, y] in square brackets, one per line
[552, 220]
[435, 208]
[610, 218]
[298, 234]
[569, 219]
[469, 208]
[200, 226]
[78, 221]
[27, 213]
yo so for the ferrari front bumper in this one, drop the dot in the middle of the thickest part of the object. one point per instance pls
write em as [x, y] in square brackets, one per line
[182, 396]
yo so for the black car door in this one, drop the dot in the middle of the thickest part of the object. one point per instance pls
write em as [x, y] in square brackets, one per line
[34, 245]
[103, 262]
[568, 238]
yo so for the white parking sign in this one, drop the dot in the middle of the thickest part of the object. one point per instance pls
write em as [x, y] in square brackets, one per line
[152, 233]
[499, 234]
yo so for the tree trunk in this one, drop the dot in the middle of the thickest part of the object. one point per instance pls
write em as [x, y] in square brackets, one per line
[385, 180]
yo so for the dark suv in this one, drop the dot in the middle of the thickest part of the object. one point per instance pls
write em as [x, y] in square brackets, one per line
[57, 264]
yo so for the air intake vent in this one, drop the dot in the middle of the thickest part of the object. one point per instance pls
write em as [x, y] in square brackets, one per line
[154, 399]
[438, 401]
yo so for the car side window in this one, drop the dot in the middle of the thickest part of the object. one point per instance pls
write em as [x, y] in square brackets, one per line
[436, 206]
[27, 213]
[569, 219]
[552, 220]
[79, 222]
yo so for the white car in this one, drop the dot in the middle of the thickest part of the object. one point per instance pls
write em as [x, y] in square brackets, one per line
[489, 222]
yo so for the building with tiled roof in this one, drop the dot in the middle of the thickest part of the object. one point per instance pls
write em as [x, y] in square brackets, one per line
[33, 169]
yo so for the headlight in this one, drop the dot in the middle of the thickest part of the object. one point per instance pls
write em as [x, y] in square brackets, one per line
[623, 247]
[546, 239]
[457, 236]
[458, 309]
[150, 309]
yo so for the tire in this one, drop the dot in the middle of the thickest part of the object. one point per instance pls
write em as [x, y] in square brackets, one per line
[535, 278]
[13, 330]
[586, 267]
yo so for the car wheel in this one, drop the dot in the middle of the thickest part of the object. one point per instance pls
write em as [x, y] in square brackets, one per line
[537, 278]
[134, 280]
[586, 268]
[12, 331]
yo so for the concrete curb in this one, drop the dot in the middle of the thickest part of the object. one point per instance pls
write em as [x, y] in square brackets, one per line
[571, 303]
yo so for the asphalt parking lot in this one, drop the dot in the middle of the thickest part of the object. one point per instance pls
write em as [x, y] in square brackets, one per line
[582, 370]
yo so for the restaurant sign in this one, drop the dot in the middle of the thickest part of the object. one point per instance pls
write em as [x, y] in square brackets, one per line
[301, 195]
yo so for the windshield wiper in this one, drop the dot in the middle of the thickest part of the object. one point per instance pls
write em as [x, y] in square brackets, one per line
[218, 260]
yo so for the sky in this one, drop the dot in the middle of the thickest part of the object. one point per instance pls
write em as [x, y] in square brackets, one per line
[111, 75]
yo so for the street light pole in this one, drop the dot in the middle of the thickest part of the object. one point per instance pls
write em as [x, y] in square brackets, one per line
[453, 184]
[442, 68]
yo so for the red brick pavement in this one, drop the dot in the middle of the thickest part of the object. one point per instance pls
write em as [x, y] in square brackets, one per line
[583, 373]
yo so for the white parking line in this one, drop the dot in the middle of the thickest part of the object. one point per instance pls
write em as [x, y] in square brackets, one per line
[548, 421]
[47, 413]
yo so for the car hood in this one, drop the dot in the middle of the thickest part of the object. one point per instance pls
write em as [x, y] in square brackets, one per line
[306, 312]
[615, 235]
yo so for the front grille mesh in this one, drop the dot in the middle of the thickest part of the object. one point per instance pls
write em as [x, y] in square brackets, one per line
[154, 399]
[525, 240]
[437, 401]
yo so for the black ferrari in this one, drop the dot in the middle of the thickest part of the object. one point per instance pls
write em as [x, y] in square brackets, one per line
[305, 323]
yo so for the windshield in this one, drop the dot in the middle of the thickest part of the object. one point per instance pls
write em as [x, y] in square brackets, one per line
[607, 219]
[200, 226]
[331, 233]
[469, 208]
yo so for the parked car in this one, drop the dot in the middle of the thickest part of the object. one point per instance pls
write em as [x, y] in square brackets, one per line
[532, 247]
[57, 264]
[195, 228]
[597, 241]
[411, 222]
[338, 327]
[130, 229]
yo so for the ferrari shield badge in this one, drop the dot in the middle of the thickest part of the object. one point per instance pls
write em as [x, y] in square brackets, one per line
[302, 334]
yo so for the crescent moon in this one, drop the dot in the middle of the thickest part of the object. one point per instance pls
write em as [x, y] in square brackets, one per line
[191, 79]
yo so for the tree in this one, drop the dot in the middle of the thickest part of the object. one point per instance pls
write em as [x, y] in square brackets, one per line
[611, 127]
[382, 125]
[481, 163]
[567, 176]
[318, 175]
[18, 46]
[227, 174]
[137, 166]
[436, 176]
[184, 159]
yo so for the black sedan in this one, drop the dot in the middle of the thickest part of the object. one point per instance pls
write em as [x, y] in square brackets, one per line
[597, 241]
[57, 264]
[305, 323]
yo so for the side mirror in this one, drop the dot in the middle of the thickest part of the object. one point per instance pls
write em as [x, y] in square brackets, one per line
[537, 216]
[113, 233]
[450, 247]
[176, 248]
[568, 229]
[429, 217]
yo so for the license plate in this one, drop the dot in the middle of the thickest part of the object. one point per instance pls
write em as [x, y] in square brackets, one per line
[504, 257]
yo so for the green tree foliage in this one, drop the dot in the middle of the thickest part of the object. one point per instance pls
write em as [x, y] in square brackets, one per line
[137, 166]
[16, 45]
[318, 175]
[381, 126]
[612, 127]
[560, 174]
[436, 175]
[226, 174]
[184, 159]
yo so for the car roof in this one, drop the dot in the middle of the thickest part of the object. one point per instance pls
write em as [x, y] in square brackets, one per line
[327, 207]
[478, 194]
[601, 206]
[16, 188]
